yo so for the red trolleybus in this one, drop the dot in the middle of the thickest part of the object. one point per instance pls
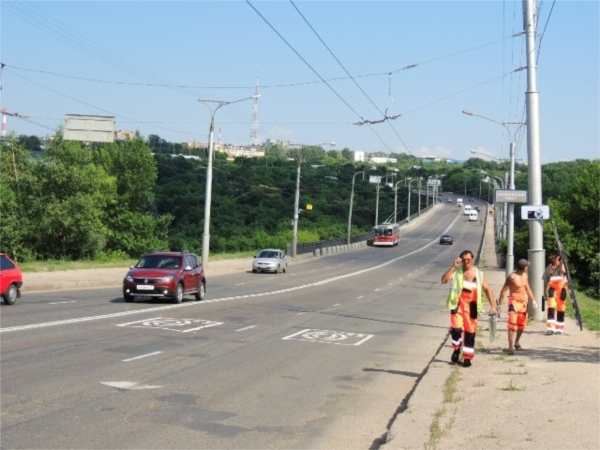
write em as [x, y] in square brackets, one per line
[386, 235]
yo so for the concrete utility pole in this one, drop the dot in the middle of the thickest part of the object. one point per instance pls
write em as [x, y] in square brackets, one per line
[208, 194]
[536, 252]
[351, 203]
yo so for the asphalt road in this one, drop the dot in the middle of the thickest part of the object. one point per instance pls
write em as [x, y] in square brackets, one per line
[322, 356]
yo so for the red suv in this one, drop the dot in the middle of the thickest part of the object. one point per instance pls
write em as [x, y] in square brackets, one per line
[166, 275]
[11, 280]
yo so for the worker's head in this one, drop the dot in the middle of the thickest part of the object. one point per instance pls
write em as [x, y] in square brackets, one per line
[523, 264]
[467, 259]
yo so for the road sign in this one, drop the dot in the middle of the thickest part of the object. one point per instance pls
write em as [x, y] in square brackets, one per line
[511, 196]
[539, 212]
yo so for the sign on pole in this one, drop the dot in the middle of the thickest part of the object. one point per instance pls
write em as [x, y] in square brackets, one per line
[510, 196]
[89, 128]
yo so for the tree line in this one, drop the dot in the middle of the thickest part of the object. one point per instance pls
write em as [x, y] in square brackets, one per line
[76, 201]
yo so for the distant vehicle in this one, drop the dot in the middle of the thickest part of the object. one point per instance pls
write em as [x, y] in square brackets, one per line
[466, 210]
[166, 275]
[473, 216]
[386, 235]
[270, 260]
[449, 199]
[459, 202]
[446, 239]
[477, 209]
[11, 280]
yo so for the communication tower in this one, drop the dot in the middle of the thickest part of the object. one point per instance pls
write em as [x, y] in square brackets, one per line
[254, 127]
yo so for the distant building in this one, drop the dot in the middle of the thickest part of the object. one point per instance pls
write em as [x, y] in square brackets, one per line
[381, 160]
[123, 135]
[359, 156]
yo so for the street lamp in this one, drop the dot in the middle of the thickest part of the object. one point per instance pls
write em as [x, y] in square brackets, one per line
[297, 201]
[511, 206]
[408, 213]
[207, 200]
[396, 198]
[351, 202]
[420, 179]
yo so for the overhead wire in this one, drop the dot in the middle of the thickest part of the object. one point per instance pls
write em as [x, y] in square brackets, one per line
[315, 72]
[349, 75]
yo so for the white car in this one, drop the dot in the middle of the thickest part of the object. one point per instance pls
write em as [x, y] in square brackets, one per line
[270, 260]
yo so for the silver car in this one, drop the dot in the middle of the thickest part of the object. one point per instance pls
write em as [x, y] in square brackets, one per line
[270, 260]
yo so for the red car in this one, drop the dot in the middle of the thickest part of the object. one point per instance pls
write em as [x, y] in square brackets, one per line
[166, 275]
[11, 280]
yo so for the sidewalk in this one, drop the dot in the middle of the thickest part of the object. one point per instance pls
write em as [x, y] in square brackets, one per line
[545, 397]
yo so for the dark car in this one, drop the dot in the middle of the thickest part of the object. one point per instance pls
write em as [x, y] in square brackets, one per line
[166, 275]
[11, 280]
[446, 239]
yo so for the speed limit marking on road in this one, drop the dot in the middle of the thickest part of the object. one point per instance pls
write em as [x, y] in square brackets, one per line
[166, 323]
[329, 337]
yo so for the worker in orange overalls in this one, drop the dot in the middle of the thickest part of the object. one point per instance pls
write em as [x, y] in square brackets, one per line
[519, 291]
[555, 294]
[464, 302]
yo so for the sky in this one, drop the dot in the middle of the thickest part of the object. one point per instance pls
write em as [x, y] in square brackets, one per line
[372, 76]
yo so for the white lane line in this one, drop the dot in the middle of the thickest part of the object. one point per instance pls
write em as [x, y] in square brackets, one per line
[360, 296]
[205, 302]
[378, 289]
[142, 356]
[62, 303]
[239, 284]
[337, 304]
[247, 328]
[299, 314]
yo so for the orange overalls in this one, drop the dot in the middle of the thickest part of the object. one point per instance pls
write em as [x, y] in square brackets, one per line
[464, 316]
[556, 296]
[517, 313]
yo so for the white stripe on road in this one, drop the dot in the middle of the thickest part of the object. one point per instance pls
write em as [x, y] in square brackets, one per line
[247, 328]
[142, 356]
[62, 303]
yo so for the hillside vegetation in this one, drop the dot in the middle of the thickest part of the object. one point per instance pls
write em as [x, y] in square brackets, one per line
[77, 201]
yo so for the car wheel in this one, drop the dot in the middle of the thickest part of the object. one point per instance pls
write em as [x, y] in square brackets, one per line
[11, 295]
[201, 292]
[254, 270]
[285, 269]
[178, 293]
[127, 297]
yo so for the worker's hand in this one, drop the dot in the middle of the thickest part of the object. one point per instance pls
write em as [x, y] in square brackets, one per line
[534, 304]
[457, 262]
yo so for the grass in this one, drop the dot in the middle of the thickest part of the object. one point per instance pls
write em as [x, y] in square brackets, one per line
[512, 387]
[510, 372]
[590, 311]
[436, 430]
[54, 265]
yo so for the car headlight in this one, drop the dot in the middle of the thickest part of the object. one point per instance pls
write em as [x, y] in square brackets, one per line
[129, 278]
[167, 278]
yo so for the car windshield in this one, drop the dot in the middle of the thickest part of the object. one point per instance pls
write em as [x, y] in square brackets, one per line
[267, 254]
[160, 262]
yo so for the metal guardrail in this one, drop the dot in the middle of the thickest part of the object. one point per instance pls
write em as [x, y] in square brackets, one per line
[310, 247]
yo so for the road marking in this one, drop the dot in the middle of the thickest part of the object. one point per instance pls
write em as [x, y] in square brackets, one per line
[61, 303]
[299, 314]
[337, 304]
[329, 337]
[165, 323]
[128, 385]
[378, 289]
[239, 284]
[141, 356]
[247, 328]
[360, 296]
[216, 300]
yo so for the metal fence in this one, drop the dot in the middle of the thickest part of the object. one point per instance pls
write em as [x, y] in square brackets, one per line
[310, 247]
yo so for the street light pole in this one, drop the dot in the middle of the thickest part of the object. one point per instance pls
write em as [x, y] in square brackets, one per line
[208, 194]
[408, 213]
[297, 203]
[351, 202]
[510, 207]
[396, 198]
[420, 178]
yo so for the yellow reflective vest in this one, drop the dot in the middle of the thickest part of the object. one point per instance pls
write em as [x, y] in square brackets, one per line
[456, 288]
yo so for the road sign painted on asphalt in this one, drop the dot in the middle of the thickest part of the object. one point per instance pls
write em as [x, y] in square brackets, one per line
[329, 337]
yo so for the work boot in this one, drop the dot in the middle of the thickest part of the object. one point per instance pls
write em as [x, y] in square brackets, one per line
[454, 357]
[467, 363]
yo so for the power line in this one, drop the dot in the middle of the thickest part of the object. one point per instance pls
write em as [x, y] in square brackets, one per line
[353, 80]
[315, 72]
